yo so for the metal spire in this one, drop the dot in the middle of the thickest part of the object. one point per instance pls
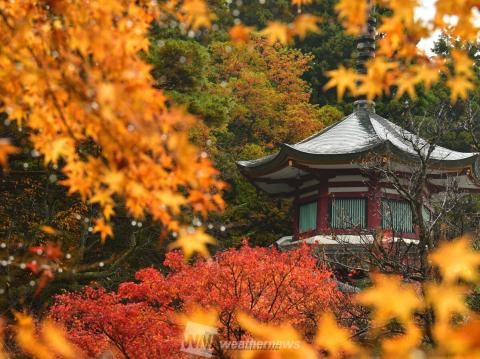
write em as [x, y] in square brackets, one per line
[365, 52]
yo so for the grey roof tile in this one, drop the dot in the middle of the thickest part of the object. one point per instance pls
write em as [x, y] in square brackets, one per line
[357, 133]
[347, 136]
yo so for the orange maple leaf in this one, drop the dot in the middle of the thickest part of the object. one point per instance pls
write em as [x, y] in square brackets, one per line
[389, 289]
[276, 32]
[342, 79]
[283, 332]
[333, 338]
[459, 87]
[197, 13]
[6, 149]
[240, 33]
[457, 260]
[103, 228]
[191, 241]
[306, 23]
[353, 13]
[406, 84]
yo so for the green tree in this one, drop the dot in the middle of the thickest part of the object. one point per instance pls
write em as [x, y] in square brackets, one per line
[252, 98]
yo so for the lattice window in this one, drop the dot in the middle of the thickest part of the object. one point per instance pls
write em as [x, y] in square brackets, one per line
[307, 220]
[397, 216]
[348, 213]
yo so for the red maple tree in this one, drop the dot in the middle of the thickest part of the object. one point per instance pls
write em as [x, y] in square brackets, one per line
[139, 319]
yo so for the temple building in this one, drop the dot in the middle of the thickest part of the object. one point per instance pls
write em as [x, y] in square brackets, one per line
[336, 198]
[335, 195]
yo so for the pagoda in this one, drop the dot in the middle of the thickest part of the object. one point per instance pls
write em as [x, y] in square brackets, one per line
[334, 198]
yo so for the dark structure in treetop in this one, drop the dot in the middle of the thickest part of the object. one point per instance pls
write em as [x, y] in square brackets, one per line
[337, 198]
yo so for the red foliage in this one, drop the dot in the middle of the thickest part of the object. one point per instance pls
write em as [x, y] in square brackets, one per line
[139, 319]
[50, 250]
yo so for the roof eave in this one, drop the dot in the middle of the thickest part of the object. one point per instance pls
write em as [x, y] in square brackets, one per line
[472, 162]
[287, 152]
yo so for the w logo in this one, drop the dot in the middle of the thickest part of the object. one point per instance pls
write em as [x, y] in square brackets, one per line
[198, 339]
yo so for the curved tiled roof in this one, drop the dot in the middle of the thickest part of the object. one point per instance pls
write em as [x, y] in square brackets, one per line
[347, 136]
[360, 133]
[406, 141]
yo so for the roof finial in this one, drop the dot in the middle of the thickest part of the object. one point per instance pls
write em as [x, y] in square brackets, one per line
[365, 52]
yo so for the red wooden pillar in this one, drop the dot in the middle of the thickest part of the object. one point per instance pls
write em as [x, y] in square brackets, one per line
[374, 205]
[322, 207]
[296, 214]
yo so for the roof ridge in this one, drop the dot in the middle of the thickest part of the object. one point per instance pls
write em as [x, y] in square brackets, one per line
[393, 128]
[390, 126]
[365, 121]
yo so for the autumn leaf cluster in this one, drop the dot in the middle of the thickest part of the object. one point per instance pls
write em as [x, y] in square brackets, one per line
[278, 297]
[404, 305]
[270, 285]
[400, 64]
[90, 106]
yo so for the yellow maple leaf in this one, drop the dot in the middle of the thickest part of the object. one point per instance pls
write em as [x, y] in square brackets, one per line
[199, 324]
[191, 241]
[353, 14]
[394, 37]
[446, 299]
[172, 200]
[198, 315]
[283, 333]
[108, 211]
[197, 13]
[103, 228]
[462, 340]
[114, 179]
[380, 66]
[446, 7]
[380, 76]
[58, 148]
[305, 23]
[463, 63]
[403, 346]
[370, 85]
[459, 87]
[6, 149]
[55, 339]
[102, 197]
[240, 33]
[406, 84]
[390, 299]
[467, 29]
[343, 79]
[403, 10]
[27, 339]
[333, 338]
[276, 32]
[427, 74]
[456, 260]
